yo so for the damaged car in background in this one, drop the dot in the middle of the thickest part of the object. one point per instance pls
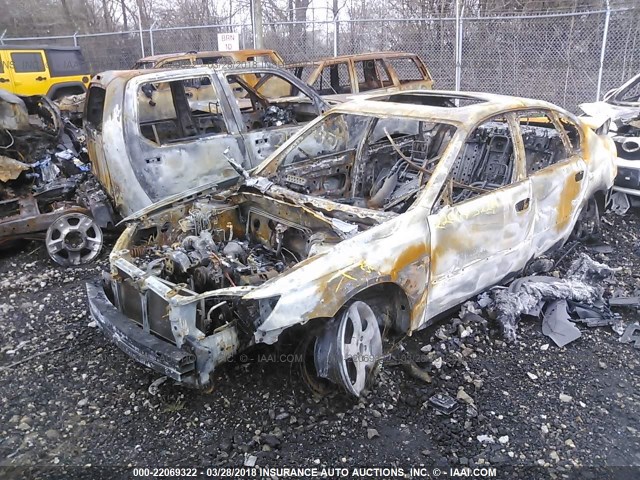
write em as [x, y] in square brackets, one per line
[386, 212]
[152, 134]
[622, 106]
[46, 190]
[364, 72]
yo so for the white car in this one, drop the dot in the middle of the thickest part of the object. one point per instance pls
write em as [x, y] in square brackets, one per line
[622, 106]
[385, 211]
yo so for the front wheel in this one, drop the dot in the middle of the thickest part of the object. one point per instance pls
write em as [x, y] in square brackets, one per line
[349, 350]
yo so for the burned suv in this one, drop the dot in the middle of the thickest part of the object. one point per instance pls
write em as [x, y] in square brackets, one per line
[385, 211]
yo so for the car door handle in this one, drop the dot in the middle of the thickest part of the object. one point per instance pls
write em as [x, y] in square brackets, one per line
[41, 79]
[523, 204]
[579, 176]
[4, 80]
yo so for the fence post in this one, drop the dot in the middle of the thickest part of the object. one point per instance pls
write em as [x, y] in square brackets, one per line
[459, 36]
[335, 35]
[140, 33]
[256, 23]
[2, 37]
[604, 47]
[75, 39]
[153, 25]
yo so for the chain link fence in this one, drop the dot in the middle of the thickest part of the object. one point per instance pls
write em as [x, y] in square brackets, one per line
[555, 57]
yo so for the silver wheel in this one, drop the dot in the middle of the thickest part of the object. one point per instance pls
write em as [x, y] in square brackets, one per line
[73, 239]
[348, 351]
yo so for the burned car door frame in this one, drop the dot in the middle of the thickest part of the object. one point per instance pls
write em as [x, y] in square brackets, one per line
[277, 123]
[481, 222]
[167, 166]
[557, 172]
[137, 170]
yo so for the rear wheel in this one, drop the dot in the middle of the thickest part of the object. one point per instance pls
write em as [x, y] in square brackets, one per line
[588, 225]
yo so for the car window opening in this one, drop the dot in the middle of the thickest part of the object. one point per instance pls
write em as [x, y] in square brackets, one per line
[178, 110]
[271, 103]
[367, 162]
[543, 142]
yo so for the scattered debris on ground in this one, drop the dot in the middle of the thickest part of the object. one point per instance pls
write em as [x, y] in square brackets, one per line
[560, 407]
[577, 297]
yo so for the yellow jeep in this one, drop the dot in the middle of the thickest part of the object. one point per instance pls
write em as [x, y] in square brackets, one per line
[50, 71]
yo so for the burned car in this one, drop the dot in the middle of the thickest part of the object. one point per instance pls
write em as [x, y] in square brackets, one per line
[46, 189]
[364, 72]
[622, 106]
[152, 134]
[387, 211]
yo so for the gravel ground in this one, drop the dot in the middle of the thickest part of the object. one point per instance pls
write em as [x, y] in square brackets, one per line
[68, 397]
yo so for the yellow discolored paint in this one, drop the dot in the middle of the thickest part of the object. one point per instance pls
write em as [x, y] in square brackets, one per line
[410, 255]
[569, 194]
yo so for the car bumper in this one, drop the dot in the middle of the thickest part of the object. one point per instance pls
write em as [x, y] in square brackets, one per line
[135, 342]
[191, 365]
[627, 180]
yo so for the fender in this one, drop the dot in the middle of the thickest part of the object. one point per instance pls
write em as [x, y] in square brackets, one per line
[59, 86]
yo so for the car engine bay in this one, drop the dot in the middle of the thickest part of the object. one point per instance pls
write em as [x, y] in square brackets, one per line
[217, 246]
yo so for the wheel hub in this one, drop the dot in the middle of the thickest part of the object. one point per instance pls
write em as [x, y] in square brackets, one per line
[73, 239]
[349, 350]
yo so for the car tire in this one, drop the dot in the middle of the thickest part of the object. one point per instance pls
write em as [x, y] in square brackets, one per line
[589, 222]
[349, 350]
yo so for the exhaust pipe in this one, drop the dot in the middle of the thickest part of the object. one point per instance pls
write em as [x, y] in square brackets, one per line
[631, 145]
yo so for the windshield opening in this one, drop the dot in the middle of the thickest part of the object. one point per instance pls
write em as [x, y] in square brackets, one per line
[365, 161]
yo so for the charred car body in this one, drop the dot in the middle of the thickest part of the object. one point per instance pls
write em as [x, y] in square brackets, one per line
[46, 190]
[388, 210]
[622, 106]
[155, 134]
[364, 72]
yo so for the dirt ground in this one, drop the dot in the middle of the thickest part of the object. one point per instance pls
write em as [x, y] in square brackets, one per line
[69, 397]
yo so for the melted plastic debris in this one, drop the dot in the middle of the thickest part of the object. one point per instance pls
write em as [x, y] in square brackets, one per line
[581, 293]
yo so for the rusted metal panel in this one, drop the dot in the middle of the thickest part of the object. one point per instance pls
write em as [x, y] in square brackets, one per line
[10, 168]
[13, 112]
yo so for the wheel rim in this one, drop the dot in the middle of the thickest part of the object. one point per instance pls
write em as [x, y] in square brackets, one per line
[348, 351]
[73, 239]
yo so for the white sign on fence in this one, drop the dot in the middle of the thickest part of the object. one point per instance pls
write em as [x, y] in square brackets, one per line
[228, 42]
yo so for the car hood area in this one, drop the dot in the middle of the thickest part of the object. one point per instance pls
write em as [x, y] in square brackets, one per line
[263, 243]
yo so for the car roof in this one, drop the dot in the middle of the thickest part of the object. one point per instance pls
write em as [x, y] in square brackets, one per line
[478, 105]
[103, 79]
[165, 56]
[37, 47]
[108, 75]
[357, 56]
